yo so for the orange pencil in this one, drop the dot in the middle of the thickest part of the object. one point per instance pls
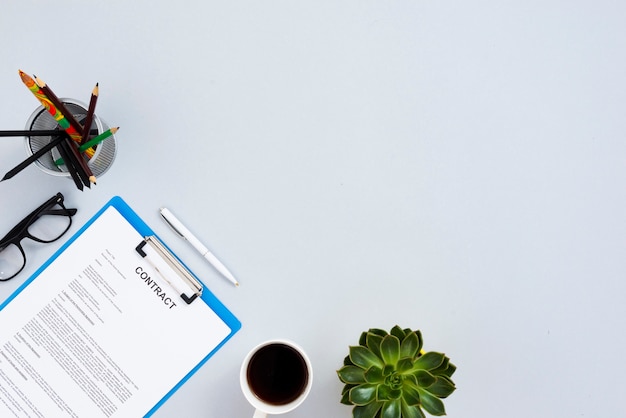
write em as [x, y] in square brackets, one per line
[56, 114]
[77, 128]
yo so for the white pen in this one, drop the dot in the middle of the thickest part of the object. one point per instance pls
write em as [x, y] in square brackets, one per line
[181, 230]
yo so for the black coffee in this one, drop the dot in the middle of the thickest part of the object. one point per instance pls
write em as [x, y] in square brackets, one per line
[277, 374]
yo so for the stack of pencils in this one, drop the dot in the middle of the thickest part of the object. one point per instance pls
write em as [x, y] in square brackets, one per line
[75, 142]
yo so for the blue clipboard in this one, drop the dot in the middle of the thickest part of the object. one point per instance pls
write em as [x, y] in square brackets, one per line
[142, 228]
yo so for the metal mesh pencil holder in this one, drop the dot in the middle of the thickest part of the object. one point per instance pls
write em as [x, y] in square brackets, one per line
[40, 119]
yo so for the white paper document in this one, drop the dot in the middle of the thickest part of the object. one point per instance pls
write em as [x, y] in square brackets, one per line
[100, 332]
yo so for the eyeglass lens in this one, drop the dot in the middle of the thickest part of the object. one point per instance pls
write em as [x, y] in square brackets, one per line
[50, 225]
[12, 260]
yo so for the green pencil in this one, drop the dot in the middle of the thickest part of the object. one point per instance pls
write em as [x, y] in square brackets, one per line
[91, 143]
[95, 141]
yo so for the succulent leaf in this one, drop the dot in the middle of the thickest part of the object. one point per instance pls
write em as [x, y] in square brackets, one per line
[345, 395]
[351, 374]
[387, 393]
[374, 375]
[443, 366]
[432, 404]
[424, 378]
[367, 411]
[411, 345]
[398, 332]
[411, 378]
[410, 393]
[449, 370]
[428, 361]
[363, 357]
[392, 409]
[411, 411]
[373, 341]
[378, 331]
[390, 350]
[388, 370]
[363, 394]
[445, 369]
[442, 388]
[404, 364]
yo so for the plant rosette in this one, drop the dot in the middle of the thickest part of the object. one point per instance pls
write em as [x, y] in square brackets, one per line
[388, 375]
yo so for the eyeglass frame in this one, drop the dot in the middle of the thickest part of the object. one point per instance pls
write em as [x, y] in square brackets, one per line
[20, 231]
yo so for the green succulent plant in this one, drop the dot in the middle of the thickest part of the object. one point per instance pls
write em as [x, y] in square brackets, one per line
[388, 375]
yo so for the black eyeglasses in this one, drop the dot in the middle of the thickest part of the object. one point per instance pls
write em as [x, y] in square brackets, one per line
[45, 224]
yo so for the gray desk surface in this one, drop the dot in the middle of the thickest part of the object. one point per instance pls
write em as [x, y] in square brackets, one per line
[452, 166]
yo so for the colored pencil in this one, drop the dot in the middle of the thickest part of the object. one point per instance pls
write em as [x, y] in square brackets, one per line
[98, 139]
[35, 156]
[90, 111]
[61, 108]
[37, 132]
[87, 146]
[47, 104]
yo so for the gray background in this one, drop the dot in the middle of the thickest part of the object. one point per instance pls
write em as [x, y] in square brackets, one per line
[452, 166]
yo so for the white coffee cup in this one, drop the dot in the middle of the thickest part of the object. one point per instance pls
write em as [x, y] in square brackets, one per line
[276, 376]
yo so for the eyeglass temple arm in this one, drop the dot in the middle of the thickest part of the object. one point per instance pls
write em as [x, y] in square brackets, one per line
[65, 211]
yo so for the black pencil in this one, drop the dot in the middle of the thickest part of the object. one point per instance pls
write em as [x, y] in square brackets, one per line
[69, 164]
[37, 132]
[35, 156]
[79, 161]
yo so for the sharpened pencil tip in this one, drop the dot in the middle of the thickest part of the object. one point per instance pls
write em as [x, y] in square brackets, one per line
[25, 77]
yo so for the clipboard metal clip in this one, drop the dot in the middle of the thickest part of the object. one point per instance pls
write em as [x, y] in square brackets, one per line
[174, 264]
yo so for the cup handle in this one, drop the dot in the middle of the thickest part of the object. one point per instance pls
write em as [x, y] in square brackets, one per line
[259, 414]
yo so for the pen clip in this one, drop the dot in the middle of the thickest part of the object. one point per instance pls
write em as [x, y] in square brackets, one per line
[167, 221]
